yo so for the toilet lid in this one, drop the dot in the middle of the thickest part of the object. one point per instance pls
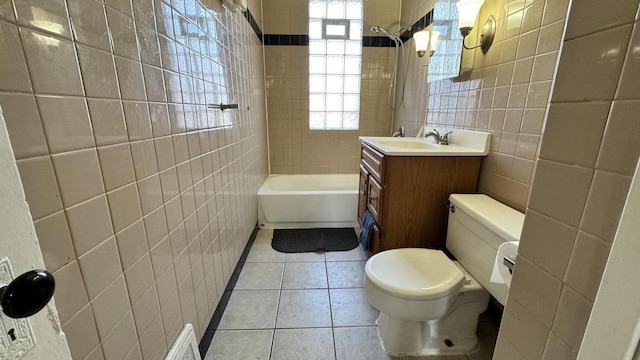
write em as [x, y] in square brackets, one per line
[410, 273]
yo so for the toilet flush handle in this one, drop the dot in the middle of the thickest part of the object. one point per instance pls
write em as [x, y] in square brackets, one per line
[451, 208]
[509, 262]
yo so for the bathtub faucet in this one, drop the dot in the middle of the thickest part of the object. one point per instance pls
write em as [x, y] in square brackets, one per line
[399, 132]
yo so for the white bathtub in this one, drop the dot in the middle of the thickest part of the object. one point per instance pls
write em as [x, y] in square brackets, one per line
[308, 201]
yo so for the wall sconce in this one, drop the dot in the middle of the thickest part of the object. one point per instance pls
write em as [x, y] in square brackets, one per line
[426, 40]
[467, 13]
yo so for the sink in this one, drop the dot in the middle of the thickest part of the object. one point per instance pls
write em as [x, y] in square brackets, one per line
[461, 143]
[408, 143]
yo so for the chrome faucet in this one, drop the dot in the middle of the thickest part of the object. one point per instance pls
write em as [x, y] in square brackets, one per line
[442, 140]
[399, 132]
[435, 135]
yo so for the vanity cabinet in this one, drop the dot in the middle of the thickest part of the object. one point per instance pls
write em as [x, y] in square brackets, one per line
[408, 196]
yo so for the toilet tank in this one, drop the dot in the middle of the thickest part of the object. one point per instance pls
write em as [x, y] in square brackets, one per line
[477, 226]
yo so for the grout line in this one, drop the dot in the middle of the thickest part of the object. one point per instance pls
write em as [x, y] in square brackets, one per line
[275, 322]
[333, 334]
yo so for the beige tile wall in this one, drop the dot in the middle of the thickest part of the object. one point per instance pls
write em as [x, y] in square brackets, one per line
[382, 13]
[286, 17]
[414, 10]
[506, 94]
[587, 159]
[255, 7]
[142, 198]
[294, 149]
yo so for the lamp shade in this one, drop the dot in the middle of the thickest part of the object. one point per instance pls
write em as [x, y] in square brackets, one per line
[426, 40]
[435, 35]
[421, 39]
[467, 12]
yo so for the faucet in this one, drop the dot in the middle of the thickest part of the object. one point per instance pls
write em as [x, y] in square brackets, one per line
[399, 132]
[442, 140]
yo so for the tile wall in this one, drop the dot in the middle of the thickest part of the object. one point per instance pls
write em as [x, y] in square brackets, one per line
[141, 197]
[587, 160]
[294, 149]
[507, 93]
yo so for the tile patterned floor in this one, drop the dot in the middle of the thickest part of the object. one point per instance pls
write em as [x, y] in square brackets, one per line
[307, 306]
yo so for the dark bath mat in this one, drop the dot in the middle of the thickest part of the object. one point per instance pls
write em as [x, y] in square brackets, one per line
[310, 240]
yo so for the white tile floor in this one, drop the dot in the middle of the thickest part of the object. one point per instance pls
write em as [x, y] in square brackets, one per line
[307, 306]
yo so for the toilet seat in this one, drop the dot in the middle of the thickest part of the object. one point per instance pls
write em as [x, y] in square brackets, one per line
[416, 274]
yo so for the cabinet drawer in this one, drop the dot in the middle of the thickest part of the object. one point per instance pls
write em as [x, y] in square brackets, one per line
[374, 199]
[373, 161]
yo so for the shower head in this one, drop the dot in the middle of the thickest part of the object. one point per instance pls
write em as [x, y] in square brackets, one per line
[379, 29]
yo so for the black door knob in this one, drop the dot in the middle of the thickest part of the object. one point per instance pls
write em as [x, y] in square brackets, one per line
[27, 294]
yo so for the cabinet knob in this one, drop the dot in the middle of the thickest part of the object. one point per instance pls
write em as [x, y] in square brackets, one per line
[27, 294]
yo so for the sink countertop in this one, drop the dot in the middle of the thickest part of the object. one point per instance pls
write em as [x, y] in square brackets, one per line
[461, 143]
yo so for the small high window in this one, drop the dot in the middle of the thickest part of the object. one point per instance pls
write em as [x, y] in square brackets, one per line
[335, 29]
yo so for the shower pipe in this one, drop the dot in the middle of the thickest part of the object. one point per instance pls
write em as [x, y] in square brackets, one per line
[394, 75]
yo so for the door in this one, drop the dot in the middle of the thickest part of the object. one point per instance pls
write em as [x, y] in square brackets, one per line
[19, 244]
[374, 199]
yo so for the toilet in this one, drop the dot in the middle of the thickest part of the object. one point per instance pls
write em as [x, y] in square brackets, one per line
[430, 304]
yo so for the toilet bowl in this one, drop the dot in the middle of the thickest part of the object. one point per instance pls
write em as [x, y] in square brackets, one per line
[430, 304]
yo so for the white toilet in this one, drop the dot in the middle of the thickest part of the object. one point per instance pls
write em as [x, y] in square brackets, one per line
[430, 304]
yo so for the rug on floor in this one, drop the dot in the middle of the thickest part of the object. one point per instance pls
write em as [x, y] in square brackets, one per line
[311, 240]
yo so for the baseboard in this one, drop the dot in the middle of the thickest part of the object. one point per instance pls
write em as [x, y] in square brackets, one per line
[207, 336]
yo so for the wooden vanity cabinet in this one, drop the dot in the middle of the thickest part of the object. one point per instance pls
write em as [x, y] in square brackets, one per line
[408, 196]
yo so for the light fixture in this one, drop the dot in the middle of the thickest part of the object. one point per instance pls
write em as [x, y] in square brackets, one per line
[426, 40]
[467, 14]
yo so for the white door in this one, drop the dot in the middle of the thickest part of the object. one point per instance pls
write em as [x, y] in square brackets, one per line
[19, 244]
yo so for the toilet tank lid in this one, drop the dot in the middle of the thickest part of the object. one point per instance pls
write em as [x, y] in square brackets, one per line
[501, 219]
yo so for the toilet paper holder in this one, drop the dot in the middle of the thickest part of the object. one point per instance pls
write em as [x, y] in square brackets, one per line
[509, 262]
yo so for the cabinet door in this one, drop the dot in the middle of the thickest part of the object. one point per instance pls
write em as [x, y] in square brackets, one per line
[363, 192]
[374, 199]
[377, 240]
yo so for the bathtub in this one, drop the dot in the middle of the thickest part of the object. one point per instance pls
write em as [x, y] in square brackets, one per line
[308, 201]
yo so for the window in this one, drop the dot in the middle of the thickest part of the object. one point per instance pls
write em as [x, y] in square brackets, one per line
[335, 29]
[335, 64]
